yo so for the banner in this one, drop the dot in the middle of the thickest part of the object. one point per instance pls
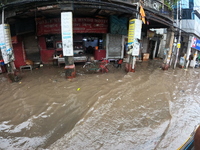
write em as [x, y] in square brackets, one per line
[134, 35]
[67, 39]
[6, 43]
[142, 14]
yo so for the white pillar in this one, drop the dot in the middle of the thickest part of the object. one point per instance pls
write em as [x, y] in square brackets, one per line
[188, 51]
[195, 57]
[2, 15]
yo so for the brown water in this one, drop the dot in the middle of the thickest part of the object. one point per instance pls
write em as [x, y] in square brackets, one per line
[146, 110]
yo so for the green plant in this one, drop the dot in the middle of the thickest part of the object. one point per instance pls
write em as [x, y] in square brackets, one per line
[170, 3]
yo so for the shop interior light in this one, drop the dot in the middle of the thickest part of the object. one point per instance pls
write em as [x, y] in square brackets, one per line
[84, 39]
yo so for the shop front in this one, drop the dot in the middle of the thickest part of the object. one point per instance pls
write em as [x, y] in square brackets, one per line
[194, 56]
[88, 39]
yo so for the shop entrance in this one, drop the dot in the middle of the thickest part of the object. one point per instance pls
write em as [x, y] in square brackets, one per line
[93, 40]
[93, 44]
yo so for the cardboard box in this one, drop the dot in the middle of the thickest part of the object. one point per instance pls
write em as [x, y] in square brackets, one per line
[145, 56]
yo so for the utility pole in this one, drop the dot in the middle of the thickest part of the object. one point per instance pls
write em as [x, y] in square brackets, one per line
[130, 65]
[179, 17]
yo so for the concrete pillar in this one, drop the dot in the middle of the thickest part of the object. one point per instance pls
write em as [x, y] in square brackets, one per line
[11, 70]
[70, 70]
[188, 51]
[166, 63]
[130, 67]
[194, 58]
[67, 39]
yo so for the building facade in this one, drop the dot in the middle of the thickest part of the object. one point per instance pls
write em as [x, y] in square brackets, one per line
[35, 26]
[190, 22]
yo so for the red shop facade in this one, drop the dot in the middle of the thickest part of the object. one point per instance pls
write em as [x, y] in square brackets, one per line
[89, 31]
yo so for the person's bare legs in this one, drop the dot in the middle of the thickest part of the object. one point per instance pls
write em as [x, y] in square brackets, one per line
[197, 139]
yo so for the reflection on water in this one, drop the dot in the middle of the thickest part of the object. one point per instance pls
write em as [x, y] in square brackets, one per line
[148, 109]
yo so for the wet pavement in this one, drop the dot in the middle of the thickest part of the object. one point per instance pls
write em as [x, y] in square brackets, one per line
[144, 110]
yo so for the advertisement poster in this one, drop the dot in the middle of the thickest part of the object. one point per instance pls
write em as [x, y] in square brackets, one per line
[134, 35]
[6, 43]
[196, 43]
[66, 29]
[136, 49]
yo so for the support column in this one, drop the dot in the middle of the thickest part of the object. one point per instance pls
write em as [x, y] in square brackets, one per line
[195, 57]
[166, 62]
[188, 51]
[7, 50]
[130, 67]
[70, 71]
[133, 36]
[67, 40]
[179, 36]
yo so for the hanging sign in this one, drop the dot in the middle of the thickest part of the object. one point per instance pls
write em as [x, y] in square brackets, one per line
[178, 45]
[66, 28]
[6, 43]
[134, 33]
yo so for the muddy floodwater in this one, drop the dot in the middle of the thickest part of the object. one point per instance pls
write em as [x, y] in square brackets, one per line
[149, 109]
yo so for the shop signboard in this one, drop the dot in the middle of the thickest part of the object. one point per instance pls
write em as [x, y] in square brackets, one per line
[6, 43]
[134, 34]
[80, 25]
[49, 26]
[67, 39]
[90, 25]
[196, 43]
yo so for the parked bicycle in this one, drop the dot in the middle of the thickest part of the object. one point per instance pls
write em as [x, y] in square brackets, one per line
[101, 66]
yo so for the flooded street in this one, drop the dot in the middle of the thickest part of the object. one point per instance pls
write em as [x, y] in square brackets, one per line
[149, 109]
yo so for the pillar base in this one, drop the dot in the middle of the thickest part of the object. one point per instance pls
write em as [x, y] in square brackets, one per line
[128, 68]
[165, 66]
[70, 71]
[180, 66]
[13, 77]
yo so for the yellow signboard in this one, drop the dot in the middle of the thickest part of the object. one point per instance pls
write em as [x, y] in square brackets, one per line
[135, 26]
[134, 33]
[131, 30]
[178, 45]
